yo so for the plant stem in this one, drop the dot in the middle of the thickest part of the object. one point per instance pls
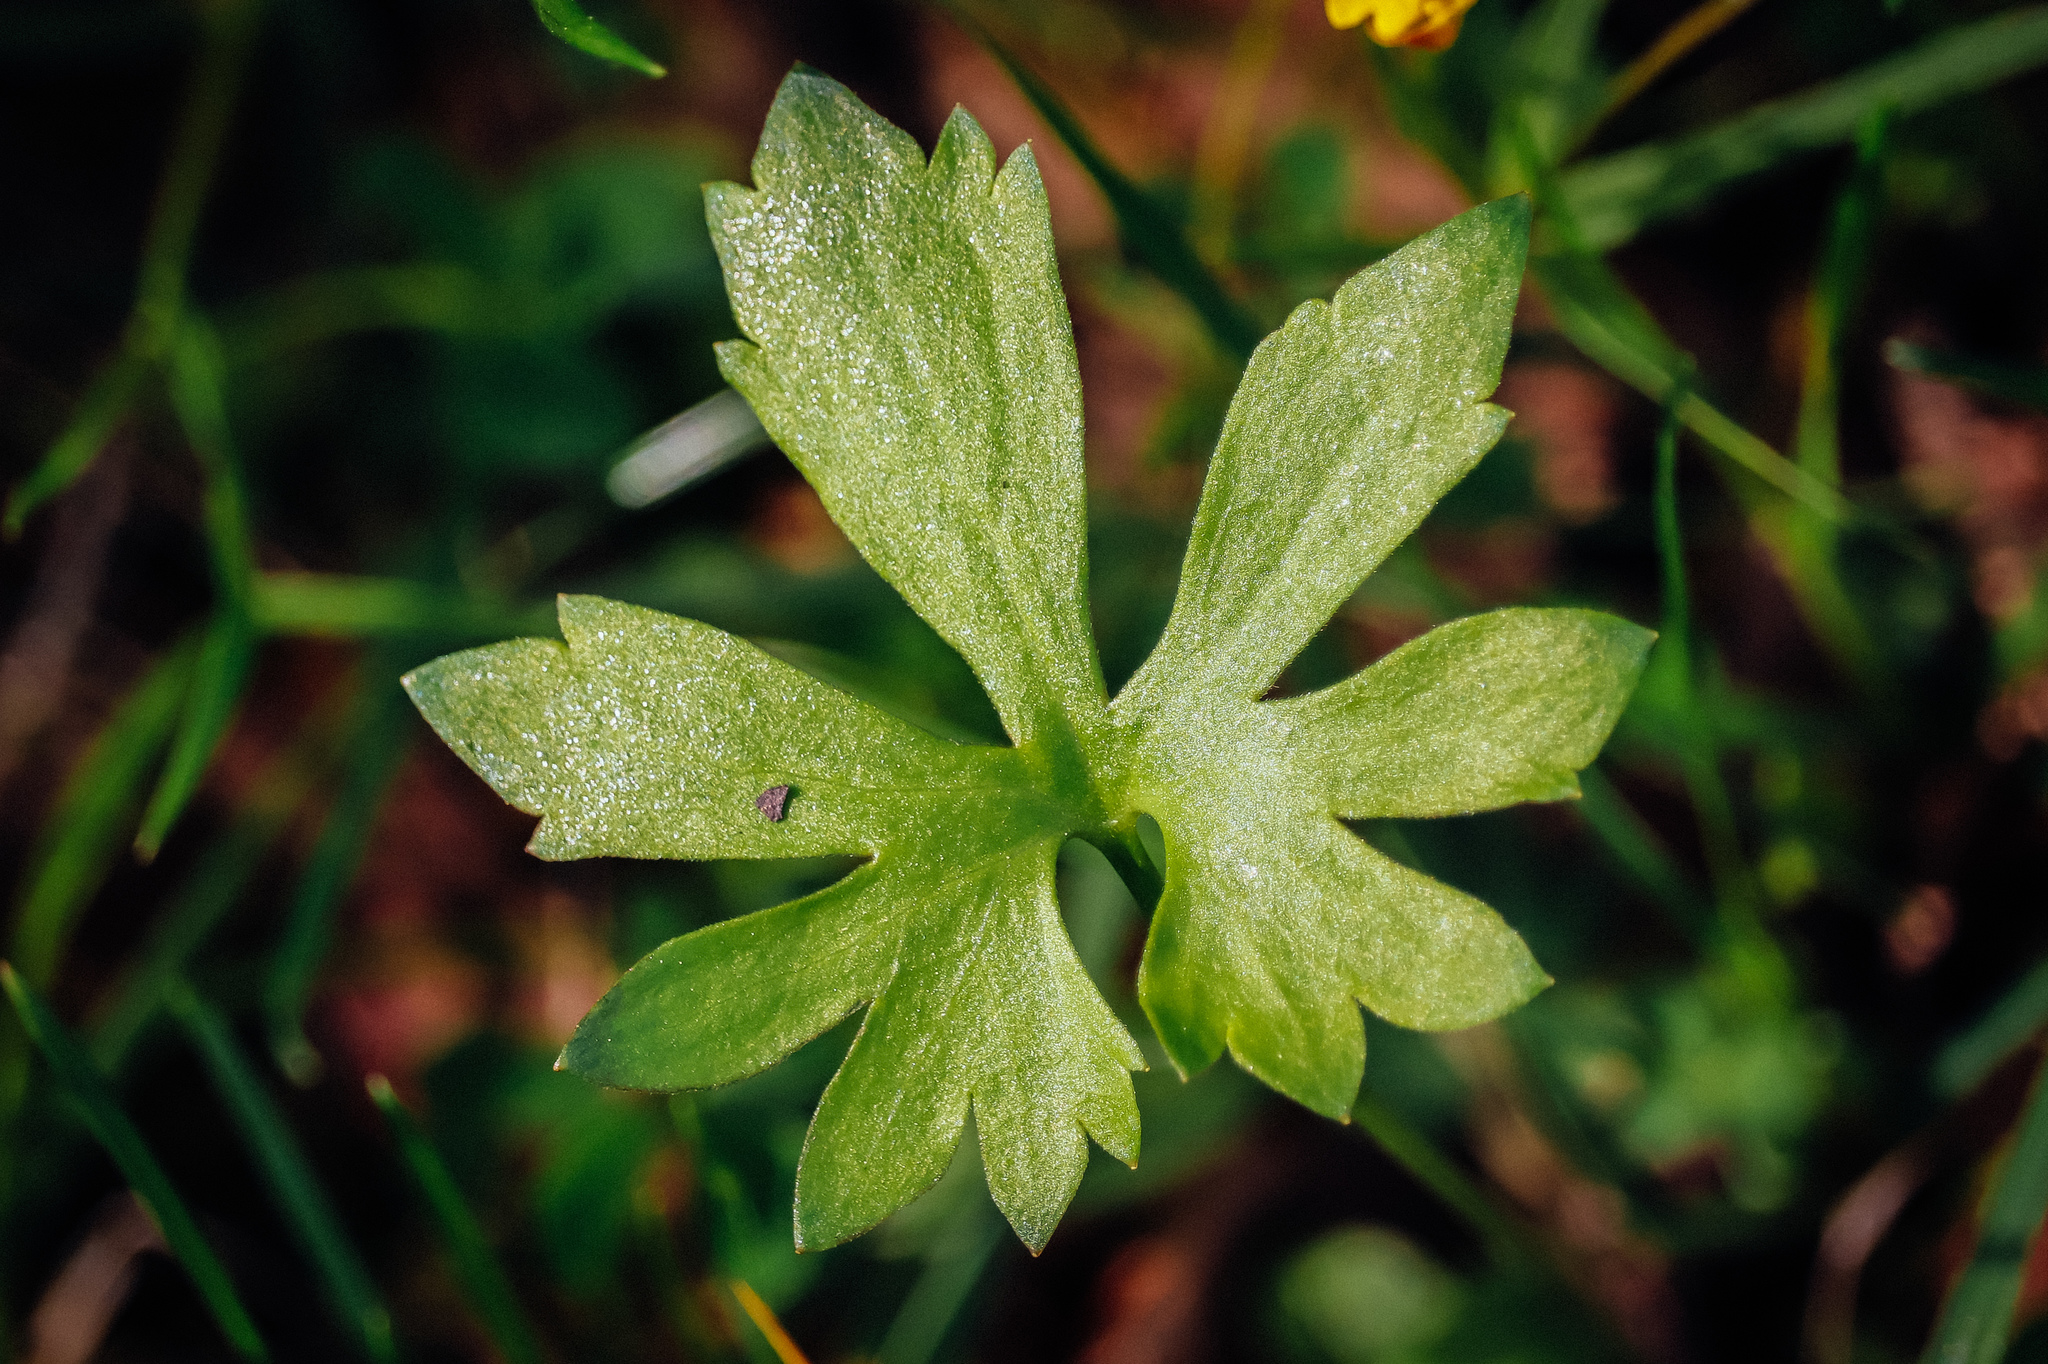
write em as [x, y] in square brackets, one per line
[1672, 47]
[1507, 1244]
[764, 1319]
[1712, 806]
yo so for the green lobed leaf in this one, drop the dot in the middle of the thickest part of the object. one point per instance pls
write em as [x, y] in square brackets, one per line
[895, 310]
[908, 345]
[943, 934]
[1351, 421]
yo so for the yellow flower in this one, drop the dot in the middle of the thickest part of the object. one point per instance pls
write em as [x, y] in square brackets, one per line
[1401, 23]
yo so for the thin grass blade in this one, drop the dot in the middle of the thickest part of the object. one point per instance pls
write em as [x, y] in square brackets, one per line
[198, 390]
[1976, 1322]
[1604, 321]
[230, 35]
[2016, 1019]
[212, 888]
[92, 813]
[1631, 842]
[490, 1293]
[294, 1188]
[1808, 547]
[952, 1269]
[218, 671]
[1151, 233]
[569, 21]
[1615, 197]
[376, 742]
[138, 1165]
[2023, 384]
[1507, 1243]
[230, 643]
[348, 300]
[100, 412]
[347, 606]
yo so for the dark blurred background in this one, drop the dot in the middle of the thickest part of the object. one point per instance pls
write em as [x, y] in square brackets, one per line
[442, 270]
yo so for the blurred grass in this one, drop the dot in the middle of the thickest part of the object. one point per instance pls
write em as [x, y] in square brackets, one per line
[491, 1295]
[395, 444]
[87, 1088]
[294, 1188]
[1976, 1321]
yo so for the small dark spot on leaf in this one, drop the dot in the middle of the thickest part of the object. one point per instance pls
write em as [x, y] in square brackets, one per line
[773, 802]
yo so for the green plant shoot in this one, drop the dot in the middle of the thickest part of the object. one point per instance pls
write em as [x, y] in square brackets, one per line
[909, 348]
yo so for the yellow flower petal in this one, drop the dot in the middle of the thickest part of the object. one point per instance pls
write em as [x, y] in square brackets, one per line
[1401, 23]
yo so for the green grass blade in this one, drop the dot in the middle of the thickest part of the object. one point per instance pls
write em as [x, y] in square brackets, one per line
[1634, 845]
[100, 412]
[221, 666]
[124, 1145]
[198, 390]
[1976, 1322]
[950, 1273]
[230, 642]
[85, 830]
[1604, 321]
[347, 300]
[1615, 197]
[230, 33]
[376, 743]
[345, 606]
[1506, 1241]
[1152, 233]
[483, 1279]
[294, 1188]
[209, 891]
[2017, 1017]
[567, 20]
[1837, 288]
[2023, 384]
[1712, 806]
[1807, 547]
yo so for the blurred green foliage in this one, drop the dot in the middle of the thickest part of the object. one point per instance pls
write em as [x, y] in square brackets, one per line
[367, 366]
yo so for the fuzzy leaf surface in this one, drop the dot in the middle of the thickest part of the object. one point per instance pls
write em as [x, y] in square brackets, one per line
[646, 735]
[908, 345]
